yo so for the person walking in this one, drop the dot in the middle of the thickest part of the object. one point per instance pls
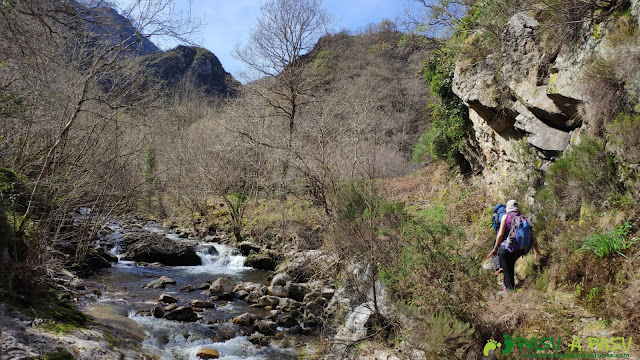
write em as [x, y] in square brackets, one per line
[512, 241]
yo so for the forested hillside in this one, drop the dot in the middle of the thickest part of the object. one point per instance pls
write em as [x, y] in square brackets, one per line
[358, 167]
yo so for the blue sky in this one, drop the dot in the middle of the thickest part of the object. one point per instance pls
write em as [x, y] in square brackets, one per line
[230, 21]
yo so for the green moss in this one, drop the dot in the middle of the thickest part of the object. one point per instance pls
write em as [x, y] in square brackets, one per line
[59, 354]
[60, 317]
[112, 340]
[552, 87]
[597, 32]
[58, 327]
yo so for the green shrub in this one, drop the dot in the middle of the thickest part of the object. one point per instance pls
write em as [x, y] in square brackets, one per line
[450, 125]
[594, 298]
[584, 173]
[445, 327]
[542, 282]
[613, 242]
[624, 138]
[236, 203]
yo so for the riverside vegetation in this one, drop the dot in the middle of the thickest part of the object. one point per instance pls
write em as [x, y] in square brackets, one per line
[324, 167]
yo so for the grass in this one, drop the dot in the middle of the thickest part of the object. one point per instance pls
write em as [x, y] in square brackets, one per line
[613, 242]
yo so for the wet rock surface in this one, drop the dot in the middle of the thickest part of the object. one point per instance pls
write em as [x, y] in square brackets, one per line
[150, 248]
[261, 261]
[224, 310]
[160, 283]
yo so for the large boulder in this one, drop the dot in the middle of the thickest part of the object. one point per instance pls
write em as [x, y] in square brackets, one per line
[281, 279]
[268, 300]
[157, 248]
[167, 299]
[261, 261]
[287, 321]
[99, 258]
[246, 247]
[258, 339]
[296, 291]
[158, 312]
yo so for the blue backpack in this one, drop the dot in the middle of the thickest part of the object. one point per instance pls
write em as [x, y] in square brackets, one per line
[498, 211]
[520, 234]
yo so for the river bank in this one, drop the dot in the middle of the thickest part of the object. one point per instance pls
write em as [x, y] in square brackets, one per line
[250, 316]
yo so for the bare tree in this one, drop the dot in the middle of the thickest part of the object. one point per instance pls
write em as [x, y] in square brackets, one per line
[71, 130]
[286, 30]
[435, 18]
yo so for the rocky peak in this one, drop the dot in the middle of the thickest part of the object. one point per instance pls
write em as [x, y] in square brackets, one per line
[198, 65]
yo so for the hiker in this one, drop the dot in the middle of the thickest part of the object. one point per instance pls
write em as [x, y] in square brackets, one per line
[499, 211]
[514, 239]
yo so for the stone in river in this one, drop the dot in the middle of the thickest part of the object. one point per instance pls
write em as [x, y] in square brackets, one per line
[206, 353]
[167, 299]
[160, 283]
[184, 313]
[221, 285]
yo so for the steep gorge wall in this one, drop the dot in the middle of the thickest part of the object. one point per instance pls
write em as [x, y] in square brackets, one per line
[529, 91]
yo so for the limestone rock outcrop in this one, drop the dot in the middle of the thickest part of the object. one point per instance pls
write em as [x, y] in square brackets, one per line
[526, 90]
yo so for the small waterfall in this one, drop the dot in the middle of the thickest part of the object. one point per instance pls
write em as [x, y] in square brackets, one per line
[116, 239]
[173, 340]
[219, 258]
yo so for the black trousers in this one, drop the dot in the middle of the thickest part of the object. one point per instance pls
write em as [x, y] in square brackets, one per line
[508, 262]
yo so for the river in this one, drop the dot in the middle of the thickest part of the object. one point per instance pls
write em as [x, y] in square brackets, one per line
[123, 297]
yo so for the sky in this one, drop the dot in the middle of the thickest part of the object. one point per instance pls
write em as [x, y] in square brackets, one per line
[229, 22]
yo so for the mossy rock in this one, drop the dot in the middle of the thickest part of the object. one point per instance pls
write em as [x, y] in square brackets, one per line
[260, 261]
[62, 316]
[59, 354]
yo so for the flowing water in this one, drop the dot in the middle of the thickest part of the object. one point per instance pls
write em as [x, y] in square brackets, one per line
[123, 296]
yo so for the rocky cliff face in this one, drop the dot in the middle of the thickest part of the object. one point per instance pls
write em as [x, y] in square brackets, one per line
[112, 28]
[198, 65]
[165, 68]
[527, 91]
